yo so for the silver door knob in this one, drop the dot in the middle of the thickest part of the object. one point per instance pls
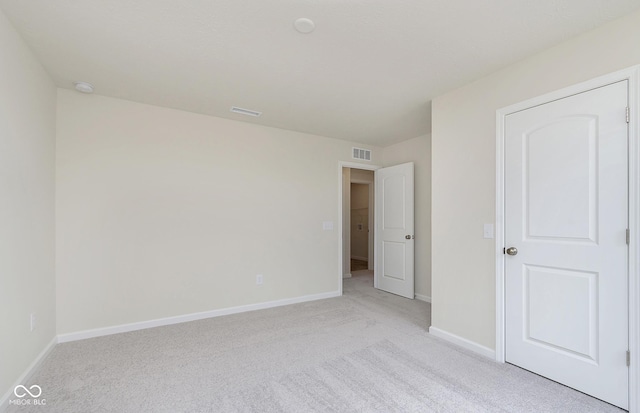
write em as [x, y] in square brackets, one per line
[512, 251]
[407, 237]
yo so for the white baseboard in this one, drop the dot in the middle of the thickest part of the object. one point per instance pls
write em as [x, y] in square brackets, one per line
[356, 257]
[463, 342]
[423, 298]
[4, 402]
[347, 275]
[124, 328]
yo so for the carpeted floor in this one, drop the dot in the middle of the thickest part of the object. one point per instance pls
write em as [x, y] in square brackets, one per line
[367, 351]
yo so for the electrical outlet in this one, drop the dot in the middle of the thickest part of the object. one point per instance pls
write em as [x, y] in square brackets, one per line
[259, 279]
[32, 321]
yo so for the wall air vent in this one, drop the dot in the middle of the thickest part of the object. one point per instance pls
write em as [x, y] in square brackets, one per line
[247, 112]
[363, 154]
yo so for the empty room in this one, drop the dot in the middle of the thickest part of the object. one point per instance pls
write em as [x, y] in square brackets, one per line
[320, 206]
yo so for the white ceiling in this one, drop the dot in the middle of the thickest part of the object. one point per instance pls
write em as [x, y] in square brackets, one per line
[367, 73]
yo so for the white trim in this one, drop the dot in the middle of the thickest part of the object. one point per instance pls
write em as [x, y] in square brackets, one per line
[634, 245]
[347, 275]
[28, 372]
[499, 234]
[424, 298]
[633, 76]
[372, 229]
[352, 165]
[356, 165]
[356, 257]
[462, 342]
[123, 328]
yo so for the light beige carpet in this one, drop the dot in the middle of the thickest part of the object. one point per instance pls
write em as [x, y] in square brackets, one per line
[367, 351]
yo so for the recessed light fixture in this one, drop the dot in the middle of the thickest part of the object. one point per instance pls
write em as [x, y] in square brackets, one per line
[83, 87]
[247, 112]
[304, 25]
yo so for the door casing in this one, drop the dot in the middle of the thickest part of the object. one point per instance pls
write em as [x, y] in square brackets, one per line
[353, 165]
[633, 76]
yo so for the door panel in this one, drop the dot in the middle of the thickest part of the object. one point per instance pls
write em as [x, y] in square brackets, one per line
[394, 258]
[561, 310]
[394, 221]
[566, 213]
[393, 209]
[561, 208]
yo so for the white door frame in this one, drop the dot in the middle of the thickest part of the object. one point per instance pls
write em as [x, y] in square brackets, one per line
[352, 165]
[633, 76]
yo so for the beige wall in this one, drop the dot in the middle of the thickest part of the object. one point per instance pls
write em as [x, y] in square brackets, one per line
[162, 212]
[362, 175]
[464, 134]
[27, 150]
[359, 196]
[418, 151]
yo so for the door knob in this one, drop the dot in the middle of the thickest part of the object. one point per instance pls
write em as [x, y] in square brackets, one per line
[407, 237]
[512, 251]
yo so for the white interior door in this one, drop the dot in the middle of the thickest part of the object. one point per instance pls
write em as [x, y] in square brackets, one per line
[566, 214]
[394, 230]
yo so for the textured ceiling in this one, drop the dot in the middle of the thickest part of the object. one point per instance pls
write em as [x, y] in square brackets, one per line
[367, 73]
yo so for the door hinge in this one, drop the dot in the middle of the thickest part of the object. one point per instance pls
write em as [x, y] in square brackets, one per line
[628, 114]
[628, 236]
[628, 358]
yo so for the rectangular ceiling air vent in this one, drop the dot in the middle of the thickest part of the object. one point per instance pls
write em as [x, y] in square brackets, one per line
[247, 112]
[363, 154]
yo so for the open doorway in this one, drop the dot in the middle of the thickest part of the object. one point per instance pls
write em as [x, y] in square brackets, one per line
[358, 222]
[361, 220]
[391, 224]
[358, 227]
[390, 261]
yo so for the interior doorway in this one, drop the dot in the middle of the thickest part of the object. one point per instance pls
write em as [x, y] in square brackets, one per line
[390, 260]
[360, 228]
[358, 222]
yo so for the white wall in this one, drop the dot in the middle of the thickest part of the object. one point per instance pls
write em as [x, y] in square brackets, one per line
[418, 151]
[27, 150]
[162, 212]
[464, 134]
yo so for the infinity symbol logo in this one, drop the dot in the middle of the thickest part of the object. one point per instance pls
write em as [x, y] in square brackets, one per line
[26, 391]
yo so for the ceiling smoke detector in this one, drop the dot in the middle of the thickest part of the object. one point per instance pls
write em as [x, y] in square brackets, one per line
[304, 25]
[83, 87]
